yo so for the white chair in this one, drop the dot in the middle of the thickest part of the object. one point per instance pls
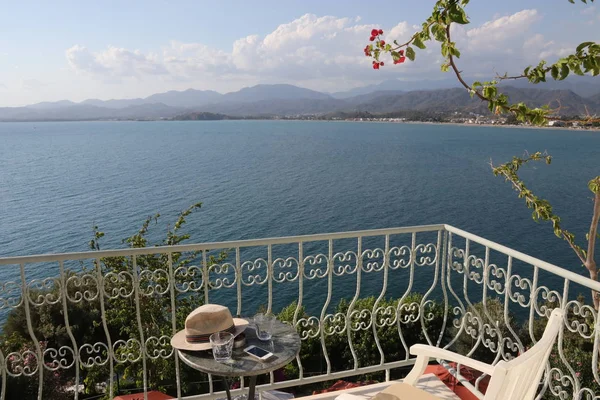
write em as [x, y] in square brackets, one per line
[518, 378]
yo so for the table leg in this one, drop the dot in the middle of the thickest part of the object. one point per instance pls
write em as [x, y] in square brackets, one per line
[227, 386]
[252, 387]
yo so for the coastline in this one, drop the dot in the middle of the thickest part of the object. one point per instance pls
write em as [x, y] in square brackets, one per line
[486, 125]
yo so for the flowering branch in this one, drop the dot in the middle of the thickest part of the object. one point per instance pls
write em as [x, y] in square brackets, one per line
[586, 59]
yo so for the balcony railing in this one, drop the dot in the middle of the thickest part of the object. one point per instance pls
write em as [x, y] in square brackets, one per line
[358, 299]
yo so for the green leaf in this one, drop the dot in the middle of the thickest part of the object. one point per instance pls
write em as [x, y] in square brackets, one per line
[439, 33]
[457, 15]
[577, 70]
[410, 53]
[418, 42]
[554, 72]
[445, 50]
[454, 51]
[564, 72]
[583, 46]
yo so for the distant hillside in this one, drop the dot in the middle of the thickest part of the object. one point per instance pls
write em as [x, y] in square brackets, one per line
[185, 99]
[595, 98]
[116, 104]
[85, 112]
[272, 92]
[46, 105]
[290, 101]
[397, 85]
[449, 100]
[584, 86]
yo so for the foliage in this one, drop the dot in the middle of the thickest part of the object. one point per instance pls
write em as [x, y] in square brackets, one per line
[365, 347]
[121, 312]
[492, 313]
[53, 381]
[437, 27]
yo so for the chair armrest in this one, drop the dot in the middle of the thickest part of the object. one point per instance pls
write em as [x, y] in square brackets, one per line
[435, 352]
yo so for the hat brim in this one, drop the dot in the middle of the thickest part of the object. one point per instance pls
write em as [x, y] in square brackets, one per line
[178, 340]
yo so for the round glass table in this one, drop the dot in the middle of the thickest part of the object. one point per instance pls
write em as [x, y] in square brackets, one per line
[285, 345]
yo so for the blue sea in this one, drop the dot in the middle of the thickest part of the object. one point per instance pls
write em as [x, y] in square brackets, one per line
[274, 178]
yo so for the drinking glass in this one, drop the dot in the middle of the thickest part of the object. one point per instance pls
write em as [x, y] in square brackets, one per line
[264, 326]
[222, 346]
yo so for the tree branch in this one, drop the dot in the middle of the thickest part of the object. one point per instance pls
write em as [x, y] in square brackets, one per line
[592, 235]
[531, 199]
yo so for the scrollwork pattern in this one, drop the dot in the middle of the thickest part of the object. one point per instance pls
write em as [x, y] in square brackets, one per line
[118, 284]
[285, 269]
[154, 282]
[10, 295]
[316, 266]
[475, 268]
[548, 296]
[19, 364]
[82, 287]
[458, 265]
[559, 383]
[516, 281]
[188, 278]
[91, 355]
[334, 324]
[342, 263]
[373, 260]
[581, 319]
[256, 272]
[496, 278]
[42, 291]
[62, 358]
[385, 316]
[423, 255]
[158, 347]
[308, 328]
[127, 351]
[360, 320]
[409, 312]
[224, 277]
[460, 274]
[398, 257]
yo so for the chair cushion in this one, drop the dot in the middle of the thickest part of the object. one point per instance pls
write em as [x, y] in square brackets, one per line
[403, 391]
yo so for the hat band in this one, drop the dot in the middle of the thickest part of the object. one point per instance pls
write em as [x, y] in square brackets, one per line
[205, 338]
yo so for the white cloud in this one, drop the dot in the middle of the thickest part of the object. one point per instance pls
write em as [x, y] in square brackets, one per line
[500, 34]
[114, 62]
[322, 52]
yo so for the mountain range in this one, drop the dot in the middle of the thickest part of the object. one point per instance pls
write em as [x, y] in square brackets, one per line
[288, 100]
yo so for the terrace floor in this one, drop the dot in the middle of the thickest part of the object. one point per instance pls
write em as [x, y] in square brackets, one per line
[429, 382]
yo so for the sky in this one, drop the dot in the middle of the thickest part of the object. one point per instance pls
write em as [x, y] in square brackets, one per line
[55, 50]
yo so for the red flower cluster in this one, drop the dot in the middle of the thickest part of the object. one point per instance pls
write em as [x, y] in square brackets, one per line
[375, 33]
[401, 59]
[367, 51]
[376, 64]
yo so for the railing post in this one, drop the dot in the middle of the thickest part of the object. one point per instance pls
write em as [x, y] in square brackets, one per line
[36, 343]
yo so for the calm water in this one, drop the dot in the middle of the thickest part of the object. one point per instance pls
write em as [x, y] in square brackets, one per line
[262, 179]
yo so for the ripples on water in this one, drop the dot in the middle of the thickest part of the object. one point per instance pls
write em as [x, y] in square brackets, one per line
[267, 178]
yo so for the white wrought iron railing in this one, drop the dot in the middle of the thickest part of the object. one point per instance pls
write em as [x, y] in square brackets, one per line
[358, 299]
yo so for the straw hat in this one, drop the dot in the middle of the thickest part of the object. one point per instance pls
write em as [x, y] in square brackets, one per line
[203, 322]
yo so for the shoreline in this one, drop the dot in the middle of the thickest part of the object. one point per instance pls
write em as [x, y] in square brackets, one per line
[562, 128]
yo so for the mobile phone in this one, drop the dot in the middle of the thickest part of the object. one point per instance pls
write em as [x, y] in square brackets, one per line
[259, 353]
